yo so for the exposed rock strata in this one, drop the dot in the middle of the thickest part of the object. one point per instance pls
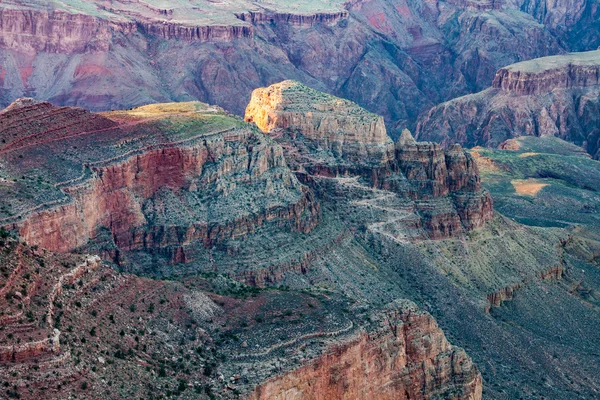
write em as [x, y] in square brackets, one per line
[327, 136]
[156, 183]
[505, 294]
[405, 357]
[36, 31]
[351, 134]
[543, 75]
[556, 96]
[295, 20]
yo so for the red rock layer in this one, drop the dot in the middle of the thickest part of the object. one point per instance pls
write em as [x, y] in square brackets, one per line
[57, 31]
[28, 123]
[408, 357]
[112, 196]
[297, 20]
[114, 199]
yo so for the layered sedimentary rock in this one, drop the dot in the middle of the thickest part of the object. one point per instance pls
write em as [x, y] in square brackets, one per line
[57, 31]
[157, 177]
[544, 75]
[349, 133]
[295, 20]
[327, 136]
[405, 357]
[556, 96]
[395, 60]
[81, 328]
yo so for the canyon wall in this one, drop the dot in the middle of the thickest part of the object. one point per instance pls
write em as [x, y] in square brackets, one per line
[541, 76]
[407, 357]
[150, 187]
[396, 61]
[37, 31]
[556, 96]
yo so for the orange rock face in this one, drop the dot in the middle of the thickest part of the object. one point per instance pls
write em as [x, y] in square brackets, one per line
[350, 133]
[327, 136]
[408, 357]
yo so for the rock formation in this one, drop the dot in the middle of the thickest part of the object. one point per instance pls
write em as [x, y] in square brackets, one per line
[327, 136]
[128, 327]
[555, 96]
[350, 134]
[157, 177]
[396, 61]
[541, 76]
[405, 357]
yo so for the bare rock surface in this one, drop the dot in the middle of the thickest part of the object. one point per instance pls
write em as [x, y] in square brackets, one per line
[396, 60]
[327, 136]
[553, 96]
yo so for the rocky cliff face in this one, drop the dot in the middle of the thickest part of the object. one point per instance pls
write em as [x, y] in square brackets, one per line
[327, 136]
[167, 176]
[349, 133]
[406, 357]
[556, 96]
[60, 32]
[395, 61]
[541, 76]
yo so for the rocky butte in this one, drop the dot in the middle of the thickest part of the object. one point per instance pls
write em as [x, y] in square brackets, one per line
[327, 136]
[555, 96]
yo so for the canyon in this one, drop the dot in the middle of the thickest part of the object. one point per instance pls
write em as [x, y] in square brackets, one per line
[175, 248]
[395, 60]
[555, 96]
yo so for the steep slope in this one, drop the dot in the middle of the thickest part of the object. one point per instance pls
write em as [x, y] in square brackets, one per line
[331, 137]
[158, 178]
[393, 59]
[73, 327]
[556, 96]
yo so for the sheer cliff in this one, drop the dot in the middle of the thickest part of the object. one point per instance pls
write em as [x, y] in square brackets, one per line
[555, 96]
[393, 59]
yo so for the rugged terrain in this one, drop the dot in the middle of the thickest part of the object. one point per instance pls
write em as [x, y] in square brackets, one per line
[189, 192]
[281, 261]
[159, 178]
[503, 289]
[557, 96]
[393, 58]
[72, 327]
[435, 191]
